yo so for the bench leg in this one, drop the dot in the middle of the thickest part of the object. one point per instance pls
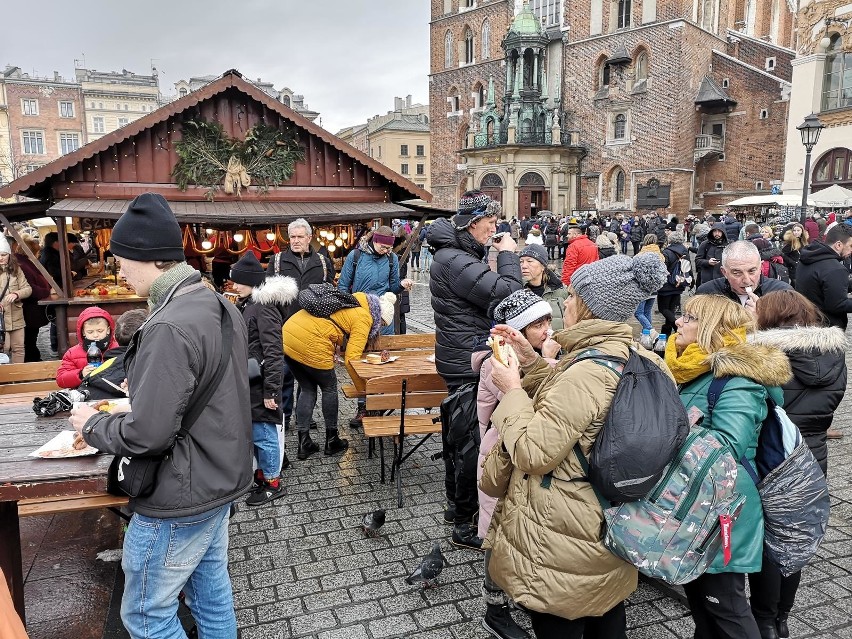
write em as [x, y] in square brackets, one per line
[382, 457]
[10, 554]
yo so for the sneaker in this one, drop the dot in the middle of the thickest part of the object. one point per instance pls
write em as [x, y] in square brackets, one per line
[464, 536]
[265, 494]
[450, 514]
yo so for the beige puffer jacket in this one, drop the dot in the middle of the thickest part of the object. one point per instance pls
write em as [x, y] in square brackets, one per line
[14, 312]
[547, 552]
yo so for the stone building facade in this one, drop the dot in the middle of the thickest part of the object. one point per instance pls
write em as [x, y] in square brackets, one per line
[41, 119]
[113, 100]
[678, 107]
[821, 84]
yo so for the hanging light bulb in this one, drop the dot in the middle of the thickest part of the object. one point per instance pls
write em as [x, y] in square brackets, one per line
[270, 236]
[207, 245]
[330, 236]
[338, 242]
[209, 231]
[238, 237]
[322, 233]
[344, 235]
[331, 248]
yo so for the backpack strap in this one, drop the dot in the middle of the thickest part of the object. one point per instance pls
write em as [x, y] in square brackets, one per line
[356, 255]
[584, 464]
[324, 267]
[716, 386]
[611, 362]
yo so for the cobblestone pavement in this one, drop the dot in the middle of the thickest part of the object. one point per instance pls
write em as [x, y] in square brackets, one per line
[302, 568]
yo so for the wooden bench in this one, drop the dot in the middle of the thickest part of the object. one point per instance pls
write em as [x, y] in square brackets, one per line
[54, 505]
[28, 378]
[400, 342]
[402, 392]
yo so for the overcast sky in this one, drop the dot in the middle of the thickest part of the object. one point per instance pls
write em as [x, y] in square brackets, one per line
[349, 58]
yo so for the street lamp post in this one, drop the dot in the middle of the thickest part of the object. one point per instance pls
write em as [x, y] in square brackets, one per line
[810, 130]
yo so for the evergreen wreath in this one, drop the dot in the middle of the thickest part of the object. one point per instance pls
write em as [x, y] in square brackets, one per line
[208, 157]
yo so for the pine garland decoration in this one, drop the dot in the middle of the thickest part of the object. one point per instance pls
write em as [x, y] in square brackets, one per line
[269, 156]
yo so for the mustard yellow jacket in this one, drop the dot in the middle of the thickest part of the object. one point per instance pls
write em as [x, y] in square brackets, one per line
[312, 340]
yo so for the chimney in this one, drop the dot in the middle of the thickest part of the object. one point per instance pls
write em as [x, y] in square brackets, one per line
[408, 101]
[56, 77]
[397, 104]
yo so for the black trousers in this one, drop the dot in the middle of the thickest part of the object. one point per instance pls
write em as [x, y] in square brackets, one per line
[772, 594]
[612, 625]
[636, 247]
[310, 381]
[460, 474]
[667, 306]
[720, 608]
[31, 352]
[551, 252]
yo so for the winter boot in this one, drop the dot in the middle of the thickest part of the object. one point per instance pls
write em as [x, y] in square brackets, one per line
[333, 444]
[356, 422]
[781, 625]
[464, 536]
[285, 463]
[287, 420]
[498, 621]
[307, 446]
[767, 628]
[450, 514]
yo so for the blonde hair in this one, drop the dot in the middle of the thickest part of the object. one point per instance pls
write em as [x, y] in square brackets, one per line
[795, 243]
[717, 316]
[583, 311]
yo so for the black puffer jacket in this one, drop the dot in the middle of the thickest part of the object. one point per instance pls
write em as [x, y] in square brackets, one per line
[818, 358]
[673, 254]
[711, 248]
[305, 268]
[464, 294]
[822, 278]
[262, 314]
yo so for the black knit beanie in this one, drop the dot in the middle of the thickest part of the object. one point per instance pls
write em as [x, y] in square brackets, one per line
[248, 271]
[148, 232]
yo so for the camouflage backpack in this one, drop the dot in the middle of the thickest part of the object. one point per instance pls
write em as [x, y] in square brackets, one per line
[674, 533]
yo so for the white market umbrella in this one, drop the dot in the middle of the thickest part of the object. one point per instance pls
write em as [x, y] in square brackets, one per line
[834, 196]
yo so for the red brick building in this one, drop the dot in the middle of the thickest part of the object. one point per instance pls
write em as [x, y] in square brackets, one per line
[679, 106]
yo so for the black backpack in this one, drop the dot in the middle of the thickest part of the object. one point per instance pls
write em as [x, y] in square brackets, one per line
[321, 300]
[643, 431]
[779, 272]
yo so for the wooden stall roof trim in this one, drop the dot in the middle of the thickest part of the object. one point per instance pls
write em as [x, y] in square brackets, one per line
[26, 185]
[239, 214]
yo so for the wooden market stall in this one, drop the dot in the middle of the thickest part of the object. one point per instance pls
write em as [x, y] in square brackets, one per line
[236, 166]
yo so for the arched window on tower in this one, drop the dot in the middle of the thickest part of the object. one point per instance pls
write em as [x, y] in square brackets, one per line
[448, 50]
[603, 75]
[618, 186]
[286, 100]
[837, 81]
[641, 67]
[486, 39]
[619, 126]
[468, 46]
[623, 14]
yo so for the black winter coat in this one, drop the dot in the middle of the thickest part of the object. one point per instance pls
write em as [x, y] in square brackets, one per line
[791, 260]
[262, 314]
[464, 293]
[657, 226]
[672, 254]
[732, 228]
[305, 269]
[720, 286]
[822, 278]
[818, 358]
[710, 248]
[637, 231]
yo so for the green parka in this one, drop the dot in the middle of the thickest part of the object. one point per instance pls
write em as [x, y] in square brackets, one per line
[545, 537]
[736, 421]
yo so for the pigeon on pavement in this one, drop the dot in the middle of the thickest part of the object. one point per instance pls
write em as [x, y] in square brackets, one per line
[372, 522]
[430, 567]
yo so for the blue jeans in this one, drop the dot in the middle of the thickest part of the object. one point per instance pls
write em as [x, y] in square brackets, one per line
[265, 437]
[425, 258]
[164, 556]
[643, 313]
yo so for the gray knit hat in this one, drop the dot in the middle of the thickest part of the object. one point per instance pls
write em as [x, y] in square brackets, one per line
[612, 288]
[535, 251]
[522, 308]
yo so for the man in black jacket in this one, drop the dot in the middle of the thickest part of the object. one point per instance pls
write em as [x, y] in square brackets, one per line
[178, 536]
[822, 278]
[742, 280]
[306, 266]
[464, 293]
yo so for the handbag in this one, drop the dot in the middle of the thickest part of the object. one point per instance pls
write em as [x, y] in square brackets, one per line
[137, 476]
[255, 369]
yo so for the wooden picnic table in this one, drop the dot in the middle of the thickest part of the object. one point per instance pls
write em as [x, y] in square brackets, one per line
[410, 361]
[24, 477]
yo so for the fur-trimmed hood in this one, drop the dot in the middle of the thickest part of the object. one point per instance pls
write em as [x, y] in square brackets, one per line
[766, 365]
[817, 354]
[276, 290]
[823, 339]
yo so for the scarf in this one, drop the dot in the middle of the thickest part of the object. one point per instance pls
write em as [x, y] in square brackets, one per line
[163, 284]
[693, 362]
[376, 313]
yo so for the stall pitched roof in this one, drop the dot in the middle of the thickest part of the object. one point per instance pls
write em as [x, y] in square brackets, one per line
[37, 183]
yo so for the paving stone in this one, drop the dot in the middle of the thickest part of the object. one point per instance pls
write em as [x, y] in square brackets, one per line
[350, 632]
[394, 626]
[312, 623]
[359, 612]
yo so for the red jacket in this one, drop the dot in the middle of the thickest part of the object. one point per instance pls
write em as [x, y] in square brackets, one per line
[581, 250]
[74, 360]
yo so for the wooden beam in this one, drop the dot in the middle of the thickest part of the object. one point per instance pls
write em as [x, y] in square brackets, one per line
[129, 190]
[26, 249]
[64, 257]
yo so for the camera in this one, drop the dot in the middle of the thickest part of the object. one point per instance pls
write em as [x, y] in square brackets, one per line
[58, 402]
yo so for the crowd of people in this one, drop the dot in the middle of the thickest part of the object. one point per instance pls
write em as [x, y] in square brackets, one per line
[768, 311]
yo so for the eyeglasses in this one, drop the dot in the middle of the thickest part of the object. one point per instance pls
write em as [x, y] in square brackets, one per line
[383, 247]
[687, 318]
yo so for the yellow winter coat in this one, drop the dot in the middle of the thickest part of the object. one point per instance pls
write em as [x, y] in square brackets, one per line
[312, 340]
[545, 537]
[14, 312]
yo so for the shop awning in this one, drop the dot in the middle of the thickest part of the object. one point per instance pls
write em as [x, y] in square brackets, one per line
[240, 214]
[769, 200]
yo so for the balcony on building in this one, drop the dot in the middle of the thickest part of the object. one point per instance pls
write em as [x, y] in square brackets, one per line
[712, 100]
